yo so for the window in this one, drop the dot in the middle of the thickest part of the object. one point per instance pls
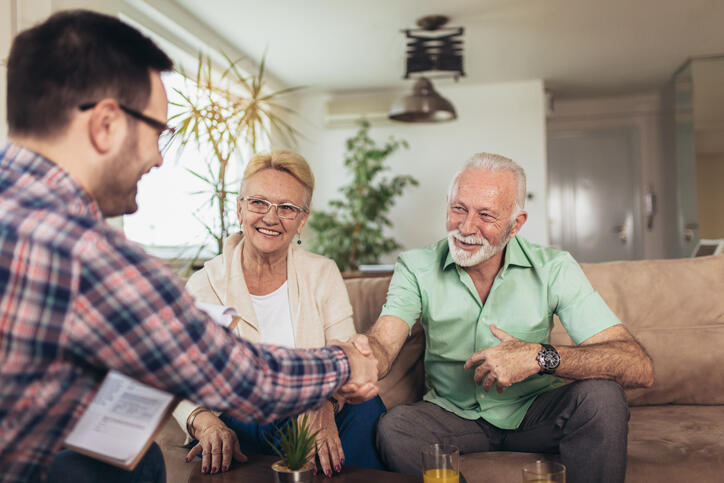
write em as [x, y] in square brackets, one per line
[173, 202]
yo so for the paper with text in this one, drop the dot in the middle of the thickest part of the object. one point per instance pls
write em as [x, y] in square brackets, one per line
[121, 419]
[120, 422]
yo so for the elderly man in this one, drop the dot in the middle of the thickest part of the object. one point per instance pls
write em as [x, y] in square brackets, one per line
[86, 108]
[486, 299]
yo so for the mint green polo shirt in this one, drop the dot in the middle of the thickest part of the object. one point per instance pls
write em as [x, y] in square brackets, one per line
[533, 284]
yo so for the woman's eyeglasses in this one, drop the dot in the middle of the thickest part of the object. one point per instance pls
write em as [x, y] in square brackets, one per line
[286, 211]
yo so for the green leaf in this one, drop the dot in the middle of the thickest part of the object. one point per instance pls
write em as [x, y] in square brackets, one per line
[293, 443]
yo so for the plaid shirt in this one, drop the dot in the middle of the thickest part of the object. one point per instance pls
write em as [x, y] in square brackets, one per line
[77, 299]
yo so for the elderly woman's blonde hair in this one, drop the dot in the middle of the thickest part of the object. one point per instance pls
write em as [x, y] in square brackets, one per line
[286, 161]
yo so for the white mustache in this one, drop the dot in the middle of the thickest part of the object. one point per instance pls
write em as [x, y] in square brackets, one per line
[469, 239]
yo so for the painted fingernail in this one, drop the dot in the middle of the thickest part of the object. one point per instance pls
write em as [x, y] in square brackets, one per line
[337, 469]
[213, 470]
[186, 459]
[315, 471]
[224, 468]
[203, 470]
[328, 473]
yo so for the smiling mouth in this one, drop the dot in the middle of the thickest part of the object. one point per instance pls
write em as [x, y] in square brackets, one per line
[265, 231]
[466, 246]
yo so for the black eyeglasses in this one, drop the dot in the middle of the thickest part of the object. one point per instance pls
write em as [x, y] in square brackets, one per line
[166, 132]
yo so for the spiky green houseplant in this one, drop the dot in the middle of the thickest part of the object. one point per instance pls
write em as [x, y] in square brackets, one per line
[295, 444]
[224, 112]
[351, 232]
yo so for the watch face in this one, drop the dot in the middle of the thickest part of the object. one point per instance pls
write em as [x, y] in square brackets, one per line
[550, 359]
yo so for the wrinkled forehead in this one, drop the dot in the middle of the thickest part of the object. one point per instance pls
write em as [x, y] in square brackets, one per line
[274, 185]
[499, 184]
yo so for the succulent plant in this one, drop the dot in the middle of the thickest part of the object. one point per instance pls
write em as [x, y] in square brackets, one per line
[294, 443]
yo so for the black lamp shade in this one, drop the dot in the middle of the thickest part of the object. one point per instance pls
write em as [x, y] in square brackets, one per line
[424, 105]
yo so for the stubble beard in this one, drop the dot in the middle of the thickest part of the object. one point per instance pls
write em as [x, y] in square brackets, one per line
[120, 199]
[465, 258]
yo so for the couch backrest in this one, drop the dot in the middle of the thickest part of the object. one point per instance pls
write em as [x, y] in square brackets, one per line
[405, 381]
[675, 308]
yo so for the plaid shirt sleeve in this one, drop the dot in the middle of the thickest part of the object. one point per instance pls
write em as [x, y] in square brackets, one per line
[132, 314]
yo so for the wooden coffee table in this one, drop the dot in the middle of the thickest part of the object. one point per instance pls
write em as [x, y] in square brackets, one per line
[258, 469]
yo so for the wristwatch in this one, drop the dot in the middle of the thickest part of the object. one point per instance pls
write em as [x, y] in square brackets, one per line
[548, 359]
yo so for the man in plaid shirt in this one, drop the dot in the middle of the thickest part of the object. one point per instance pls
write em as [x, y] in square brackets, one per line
[86, 108]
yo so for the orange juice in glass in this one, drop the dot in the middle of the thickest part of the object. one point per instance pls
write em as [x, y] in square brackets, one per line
[440, 463]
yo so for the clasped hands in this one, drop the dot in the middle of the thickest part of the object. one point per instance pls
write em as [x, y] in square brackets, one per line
[511, 361]
[362, 382]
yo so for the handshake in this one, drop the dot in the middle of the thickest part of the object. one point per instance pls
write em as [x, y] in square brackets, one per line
[362, 382]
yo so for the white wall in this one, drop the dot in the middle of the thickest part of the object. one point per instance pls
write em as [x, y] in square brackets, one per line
[507, 119]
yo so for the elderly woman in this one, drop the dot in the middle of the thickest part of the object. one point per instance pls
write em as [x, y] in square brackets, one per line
[284, 296]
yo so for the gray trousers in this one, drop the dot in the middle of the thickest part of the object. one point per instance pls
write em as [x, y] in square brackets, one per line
[585, 421]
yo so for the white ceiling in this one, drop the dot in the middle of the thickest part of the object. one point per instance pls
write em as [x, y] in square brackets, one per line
[579, 47]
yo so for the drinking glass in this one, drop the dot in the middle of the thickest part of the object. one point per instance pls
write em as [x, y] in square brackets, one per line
[440, 463]
[544, 472]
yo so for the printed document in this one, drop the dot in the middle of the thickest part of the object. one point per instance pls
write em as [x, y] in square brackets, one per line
[121, 421]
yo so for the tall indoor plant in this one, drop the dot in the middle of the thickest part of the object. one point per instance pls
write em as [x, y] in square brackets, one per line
[223, 113]
[351, 232]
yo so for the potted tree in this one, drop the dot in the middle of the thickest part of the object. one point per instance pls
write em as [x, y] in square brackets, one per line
[294, 447]
[351, 233]
[224, 114]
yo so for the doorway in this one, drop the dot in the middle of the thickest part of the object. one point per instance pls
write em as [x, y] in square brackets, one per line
[593, 193]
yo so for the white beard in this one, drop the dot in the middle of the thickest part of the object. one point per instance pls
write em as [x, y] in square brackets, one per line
[466, 258]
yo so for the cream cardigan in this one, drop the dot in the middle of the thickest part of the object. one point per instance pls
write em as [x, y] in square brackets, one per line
[318, 299]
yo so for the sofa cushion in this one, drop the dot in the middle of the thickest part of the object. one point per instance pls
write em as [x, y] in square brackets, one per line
[676, 443]
[675, 308]
[665, 443]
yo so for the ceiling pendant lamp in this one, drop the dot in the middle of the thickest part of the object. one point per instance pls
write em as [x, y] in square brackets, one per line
[423, 105]
[430, 49]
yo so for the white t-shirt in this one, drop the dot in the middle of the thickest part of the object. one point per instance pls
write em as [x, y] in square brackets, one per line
[274, 317]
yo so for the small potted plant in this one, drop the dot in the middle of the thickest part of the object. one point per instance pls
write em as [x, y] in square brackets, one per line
[295, 445]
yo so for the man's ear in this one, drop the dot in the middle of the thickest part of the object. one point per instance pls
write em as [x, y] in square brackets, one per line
[106, 126]
[519, 222]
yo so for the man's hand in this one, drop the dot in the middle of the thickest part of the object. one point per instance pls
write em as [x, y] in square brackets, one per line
[362, 343]
[511, 361]
[362, 383]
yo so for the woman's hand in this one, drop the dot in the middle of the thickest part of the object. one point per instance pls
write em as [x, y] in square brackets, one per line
[217, 444]
[327, 443]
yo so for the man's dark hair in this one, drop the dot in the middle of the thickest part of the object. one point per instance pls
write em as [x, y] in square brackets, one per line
[76, 57]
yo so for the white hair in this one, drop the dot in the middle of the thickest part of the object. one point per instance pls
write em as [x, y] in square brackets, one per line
[494, 162]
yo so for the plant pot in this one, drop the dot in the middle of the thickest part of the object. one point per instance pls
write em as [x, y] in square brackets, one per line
[282, 474]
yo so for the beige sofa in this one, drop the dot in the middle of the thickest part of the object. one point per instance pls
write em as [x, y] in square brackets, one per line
[674, 307]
